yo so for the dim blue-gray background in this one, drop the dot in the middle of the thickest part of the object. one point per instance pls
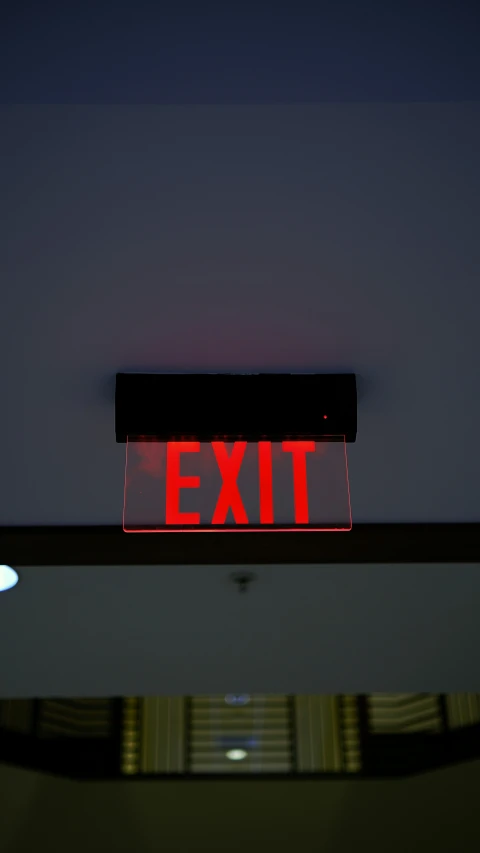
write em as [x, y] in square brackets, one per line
[328, 237]
[319, 213]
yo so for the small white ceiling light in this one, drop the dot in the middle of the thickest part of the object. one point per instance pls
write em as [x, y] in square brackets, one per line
[236, 754]
[8, 578]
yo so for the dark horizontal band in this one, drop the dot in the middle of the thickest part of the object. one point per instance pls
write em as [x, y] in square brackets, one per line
[365, 543]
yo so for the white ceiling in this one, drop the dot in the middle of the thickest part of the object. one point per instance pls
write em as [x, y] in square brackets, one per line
[278, 238]
[135, 630]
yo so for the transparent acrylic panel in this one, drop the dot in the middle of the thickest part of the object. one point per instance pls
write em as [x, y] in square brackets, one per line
[226, 486]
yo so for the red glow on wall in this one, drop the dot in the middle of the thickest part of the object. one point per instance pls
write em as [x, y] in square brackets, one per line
[152, 458]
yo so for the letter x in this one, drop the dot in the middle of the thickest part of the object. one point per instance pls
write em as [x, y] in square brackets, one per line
[229, 497]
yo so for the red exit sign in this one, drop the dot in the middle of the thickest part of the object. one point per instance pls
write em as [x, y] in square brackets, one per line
[218, 486]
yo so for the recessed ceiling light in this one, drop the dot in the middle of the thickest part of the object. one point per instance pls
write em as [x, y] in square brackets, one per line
[8, 578]
[236, 754]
